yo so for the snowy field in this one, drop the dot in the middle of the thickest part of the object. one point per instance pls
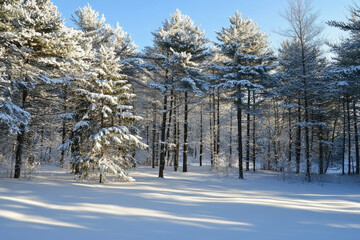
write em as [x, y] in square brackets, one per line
[195, 205]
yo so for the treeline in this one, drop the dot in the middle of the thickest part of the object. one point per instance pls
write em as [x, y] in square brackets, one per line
[84, 96]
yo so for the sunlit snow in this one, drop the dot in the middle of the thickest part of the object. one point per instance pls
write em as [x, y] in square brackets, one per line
[199, 204]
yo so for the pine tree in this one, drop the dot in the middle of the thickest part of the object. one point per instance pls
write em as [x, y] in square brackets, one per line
[346, 69]
[103, 138]
[179, 47]
[248, 61]
[35, 41]
[294, 89]
[304, 32]
[109, 138]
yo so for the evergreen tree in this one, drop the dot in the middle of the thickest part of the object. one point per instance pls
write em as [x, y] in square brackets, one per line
[179, 48]
[109, 138]
[248, 61]
[304, 32]
[294, 89]
[35, 41]
[346, 70]
[103, 138]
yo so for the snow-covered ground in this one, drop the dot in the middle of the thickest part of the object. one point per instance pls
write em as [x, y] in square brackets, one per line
[195, 205]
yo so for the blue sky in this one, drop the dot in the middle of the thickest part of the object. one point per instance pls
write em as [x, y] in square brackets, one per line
[141, 17]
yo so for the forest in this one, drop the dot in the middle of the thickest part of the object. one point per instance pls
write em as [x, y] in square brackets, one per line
[86, 99]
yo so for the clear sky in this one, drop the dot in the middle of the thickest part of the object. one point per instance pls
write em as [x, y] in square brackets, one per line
[141, 17]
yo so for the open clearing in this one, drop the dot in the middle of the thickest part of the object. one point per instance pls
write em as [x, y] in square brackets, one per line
[194, 205]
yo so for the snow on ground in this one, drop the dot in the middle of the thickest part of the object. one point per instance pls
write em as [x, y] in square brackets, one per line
[194, 205]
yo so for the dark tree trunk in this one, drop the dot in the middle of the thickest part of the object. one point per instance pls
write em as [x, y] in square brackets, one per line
[101, 178]
[214, 128]
[276, 137]
[307, 143]
[20, 140]
[248, 132]
[290, 137]
[239, 119]
[218, 124]
[298, 140]
[201, 135]
[169, 125]
[230, 136]
[42, 143]
[147, 137]
[254, 134]
[63, 135]
[185, 150]
[175, 137]
[154, 138]
[30, 145]
[321, 151]
[344, 138]
[332, 141]
[63, 139]
[269, 151]
[158, 137]
[349, 133]
[18, 153]
[211, 132]
[357, 157]
[177, 152]
[162, 144]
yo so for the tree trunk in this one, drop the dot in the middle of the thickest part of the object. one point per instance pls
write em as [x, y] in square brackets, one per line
[321, 155]
[201, 135]
[211, 133]
[357, 157]
[218, 124]
[175, 135]
[298, 140]
[154, 138]
[240, 150]
[332, 141]
[20, 140]
[163, 136]
[185, 150]
[169, 125]
[290, 136]
[42, 143]
[101, 178]
[18, 154]
[230, 136]
[276, 137]
[349, 133]
[177, 152]
[269, 151]
[214, 127]
[254, 134]
[248, 132]
[344, 138]
[307, 143]
[147, 137]
[30, 145]
[63, 136]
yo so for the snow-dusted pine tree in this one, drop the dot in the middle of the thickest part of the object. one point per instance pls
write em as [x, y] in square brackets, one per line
[12, 117]
[294, 90]
[104, 138]
[108, 136]
[304, 33]
[247, 64]
[35, 42]
[346, 70]
[97, 33]
[179, 48]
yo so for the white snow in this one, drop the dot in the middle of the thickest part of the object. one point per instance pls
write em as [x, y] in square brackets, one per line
[194, 205]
